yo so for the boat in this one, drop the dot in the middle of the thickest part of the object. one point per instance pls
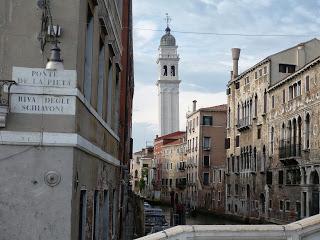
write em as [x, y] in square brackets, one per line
[154, 220]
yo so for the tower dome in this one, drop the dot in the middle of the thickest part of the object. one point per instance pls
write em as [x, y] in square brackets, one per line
[168, 39]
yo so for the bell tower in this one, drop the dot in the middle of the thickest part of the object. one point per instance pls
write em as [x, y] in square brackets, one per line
[168, 83]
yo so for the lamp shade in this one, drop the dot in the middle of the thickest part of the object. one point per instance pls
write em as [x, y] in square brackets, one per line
[55, 61]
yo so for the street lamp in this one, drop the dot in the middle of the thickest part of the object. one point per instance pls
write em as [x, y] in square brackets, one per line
[50, 33]
[55, 61]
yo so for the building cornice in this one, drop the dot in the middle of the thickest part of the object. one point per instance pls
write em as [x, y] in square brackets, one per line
[51, 139]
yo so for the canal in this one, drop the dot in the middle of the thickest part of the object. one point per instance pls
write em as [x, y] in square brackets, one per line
[201, 218]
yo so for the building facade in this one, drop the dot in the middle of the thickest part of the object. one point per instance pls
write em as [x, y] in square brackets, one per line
[169, 153]
[259, 158]
[168, 84]
[60, 133]
[142, 172]
[174, 177]
[206, 131]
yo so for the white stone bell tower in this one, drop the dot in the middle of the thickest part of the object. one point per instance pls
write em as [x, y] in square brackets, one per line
[168, 84]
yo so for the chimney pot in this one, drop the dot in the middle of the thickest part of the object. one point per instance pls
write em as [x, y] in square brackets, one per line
[194, 105]
[235, 60]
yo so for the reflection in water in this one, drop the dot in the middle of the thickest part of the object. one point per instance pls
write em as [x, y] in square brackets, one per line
[201, 219]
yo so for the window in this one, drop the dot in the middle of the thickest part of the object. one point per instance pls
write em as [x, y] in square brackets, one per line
[255, 75]
[219, 196]
[101, 70]
[227, 143]
[287, 206]
[88, 56]
[82, 214]
[237, 141]
[265, 102]
[170, 182]
[236, 189]
[298, 209]
[165, 70]
[114, 212]
[105, 215]
[260, 72]
[307, 134]
[269, 177]
[110, 86]
[228, 189]
[228, 91]
[281, 205]
[237, 85]
[259, 133]
[280, 177]
[272, 140]
[290, 92]
[206, 143]
[96, 216]
[214, 176]
[173, 71]
[287, 68]
[145, 165]
[206, 161]
[256, 106]
[270, 204]
[265, 69]
[307, 83]
[220, 176]
[206, 178]
[246, 80]
[207, 120]
[283, 96]
[299, 88]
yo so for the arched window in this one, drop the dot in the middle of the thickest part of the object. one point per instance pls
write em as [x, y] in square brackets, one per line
[265, 102]
[165, 70]
[256, 105]
[272, 140]
[307, 132]
[173, 71]
[229, 117]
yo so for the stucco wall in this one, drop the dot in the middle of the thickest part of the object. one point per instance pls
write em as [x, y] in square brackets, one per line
[29, 208]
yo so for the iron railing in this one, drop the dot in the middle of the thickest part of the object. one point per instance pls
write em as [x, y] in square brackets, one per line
[287, 150]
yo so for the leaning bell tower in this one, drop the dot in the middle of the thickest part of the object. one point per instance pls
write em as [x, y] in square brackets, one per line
[168, 83]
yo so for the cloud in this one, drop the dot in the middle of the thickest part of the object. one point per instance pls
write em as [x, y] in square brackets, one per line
[206, 59]
[146, 104]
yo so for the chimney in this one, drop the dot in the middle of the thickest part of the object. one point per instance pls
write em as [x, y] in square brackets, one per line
[235, 60]
[194, 105]
[301, 56]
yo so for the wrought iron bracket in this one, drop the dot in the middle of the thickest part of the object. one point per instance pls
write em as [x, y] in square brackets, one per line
[5, 86]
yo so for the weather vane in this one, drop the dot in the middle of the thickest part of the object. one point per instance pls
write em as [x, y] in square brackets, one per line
[168, 19]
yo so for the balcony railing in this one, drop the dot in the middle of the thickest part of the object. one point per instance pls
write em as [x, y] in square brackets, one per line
[289, 150]
[244, 124]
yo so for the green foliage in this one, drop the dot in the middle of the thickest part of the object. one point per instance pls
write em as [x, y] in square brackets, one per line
[142, 184]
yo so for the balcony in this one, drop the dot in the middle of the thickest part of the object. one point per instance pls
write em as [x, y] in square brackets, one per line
[244, 124]
[182, 184]
[182, 169]
[289, 153]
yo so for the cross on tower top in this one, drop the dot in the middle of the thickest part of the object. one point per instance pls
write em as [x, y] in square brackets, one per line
[168, 19]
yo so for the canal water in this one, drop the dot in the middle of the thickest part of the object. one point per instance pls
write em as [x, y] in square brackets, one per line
[201, 218]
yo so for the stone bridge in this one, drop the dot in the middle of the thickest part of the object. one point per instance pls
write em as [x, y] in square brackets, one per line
[306, 229]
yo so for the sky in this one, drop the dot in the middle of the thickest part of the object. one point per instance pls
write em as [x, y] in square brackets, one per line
[205, 59]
